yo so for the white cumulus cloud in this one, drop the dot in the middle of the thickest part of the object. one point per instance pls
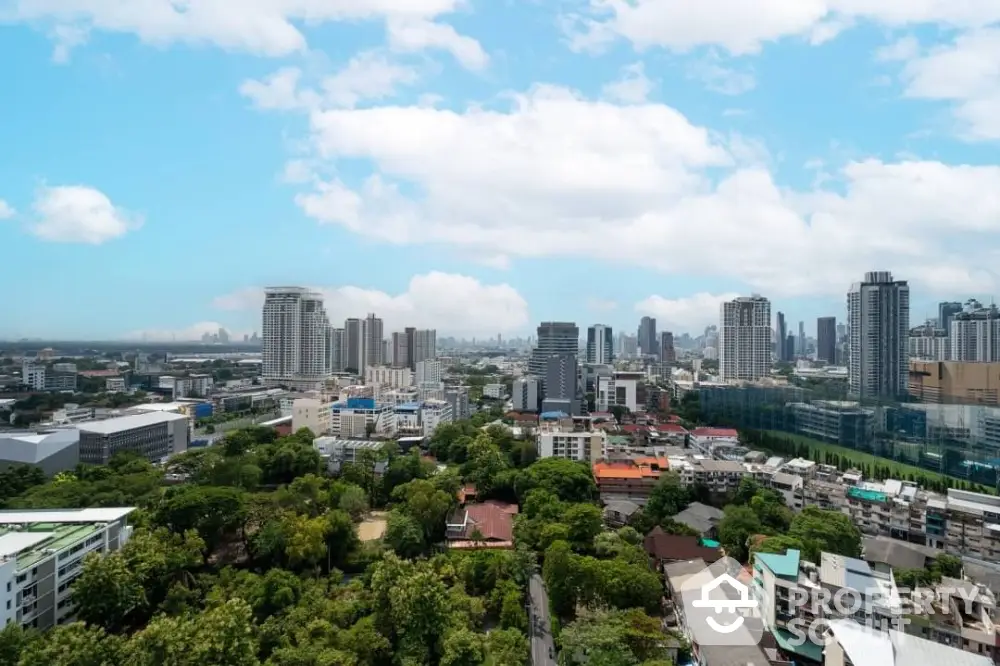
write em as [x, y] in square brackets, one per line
[633, 86]
[558, 174]
[965, 73]
[453, 304]
[79, 214]
[6, 210]
[263, 27]
[688, 314]
[741, 27]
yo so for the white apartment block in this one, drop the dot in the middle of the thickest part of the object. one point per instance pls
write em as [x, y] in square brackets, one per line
[434, 413]
[525, 394]
[495, 391]
[397, 397]
[975, 335]
[745, 339]
[561, 441]
[851, 644]
[355, 422]
[294, 335]
[620, 389]
[383, 375]
[428, 372]
[41, 554]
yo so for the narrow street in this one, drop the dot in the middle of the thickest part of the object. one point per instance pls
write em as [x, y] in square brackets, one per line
[540, 627]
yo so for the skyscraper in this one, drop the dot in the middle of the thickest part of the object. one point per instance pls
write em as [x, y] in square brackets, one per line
[878, 329]
[424, 345]
[355, 345]
[781, 344]
[667, 352]
[600, 348]
[371, 340]
[294, 330]
[745, 338]
[400, 350]
[648, 344]
[975, 334]
[946, 311]
[554, 338]
[336, 349]
[826, 339]
[800, 341]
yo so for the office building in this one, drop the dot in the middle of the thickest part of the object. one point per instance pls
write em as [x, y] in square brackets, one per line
[975, 334]
[52, 451]
[781, 343]
[526, 394]
[745, 339]
[355, 346]
[648, 343]
[42, 553]
[561, 388]
[946, 312]
[152, 435]
[878, 324]
[600, 344]
[826, 339]
[554, 338]
[39, 378]
[294, 335]
[667, 352]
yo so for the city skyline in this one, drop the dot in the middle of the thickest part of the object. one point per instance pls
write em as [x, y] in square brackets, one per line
[573, 169]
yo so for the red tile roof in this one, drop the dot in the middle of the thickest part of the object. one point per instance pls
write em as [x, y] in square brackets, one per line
[715, 432]
[671, 427]
[493, 519]
[631, 428]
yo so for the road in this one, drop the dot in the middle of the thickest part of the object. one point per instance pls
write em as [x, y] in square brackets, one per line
[542, 645]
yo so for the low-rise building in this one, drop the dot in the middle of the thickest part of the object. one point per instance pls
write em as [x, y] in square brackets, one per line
[844, 423]
[851, 644]
[52, 451]
[311, 413]
[628, 480]
[488, 524]
[152, 435]
[359, 417]
[41, 554]
[559, 439]
[495, 391]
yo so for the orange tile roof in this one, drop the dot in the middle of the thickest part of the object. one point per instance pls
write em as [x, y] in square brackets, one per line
[641, 468]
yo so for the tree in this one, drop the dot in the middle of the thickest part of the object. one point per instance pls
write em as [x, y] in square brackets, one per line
[75, 644]
[107, 593]
[821, 531]
[558, 572]
[738, 524]
[404, 535]
[612, 638]
[506, 647]
[667, 499]
[462, 648]
[584, 522]
[568, 480]
[949, 565]
[427, 505]
[354, 501]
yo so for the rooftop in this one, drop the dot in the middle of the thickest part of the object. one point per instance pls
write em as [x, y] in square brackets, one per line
[122, 423]
[783, 565]
[865, 646]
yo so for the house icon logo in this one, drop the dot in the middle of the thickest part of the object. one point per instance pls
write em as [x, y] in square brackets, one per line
[719, 605]
[716, 603]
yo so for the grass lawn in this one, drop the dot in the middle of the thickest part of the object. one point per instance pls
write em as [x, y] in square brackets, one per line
[856, 458]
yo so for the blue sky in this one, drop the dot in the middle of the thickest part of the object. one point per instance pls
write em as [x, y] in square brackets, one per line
[479, 167]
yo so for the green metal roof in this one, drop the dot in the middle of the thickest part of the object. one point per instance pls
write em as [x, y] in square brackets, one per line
[790, 643]
[783, 566]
